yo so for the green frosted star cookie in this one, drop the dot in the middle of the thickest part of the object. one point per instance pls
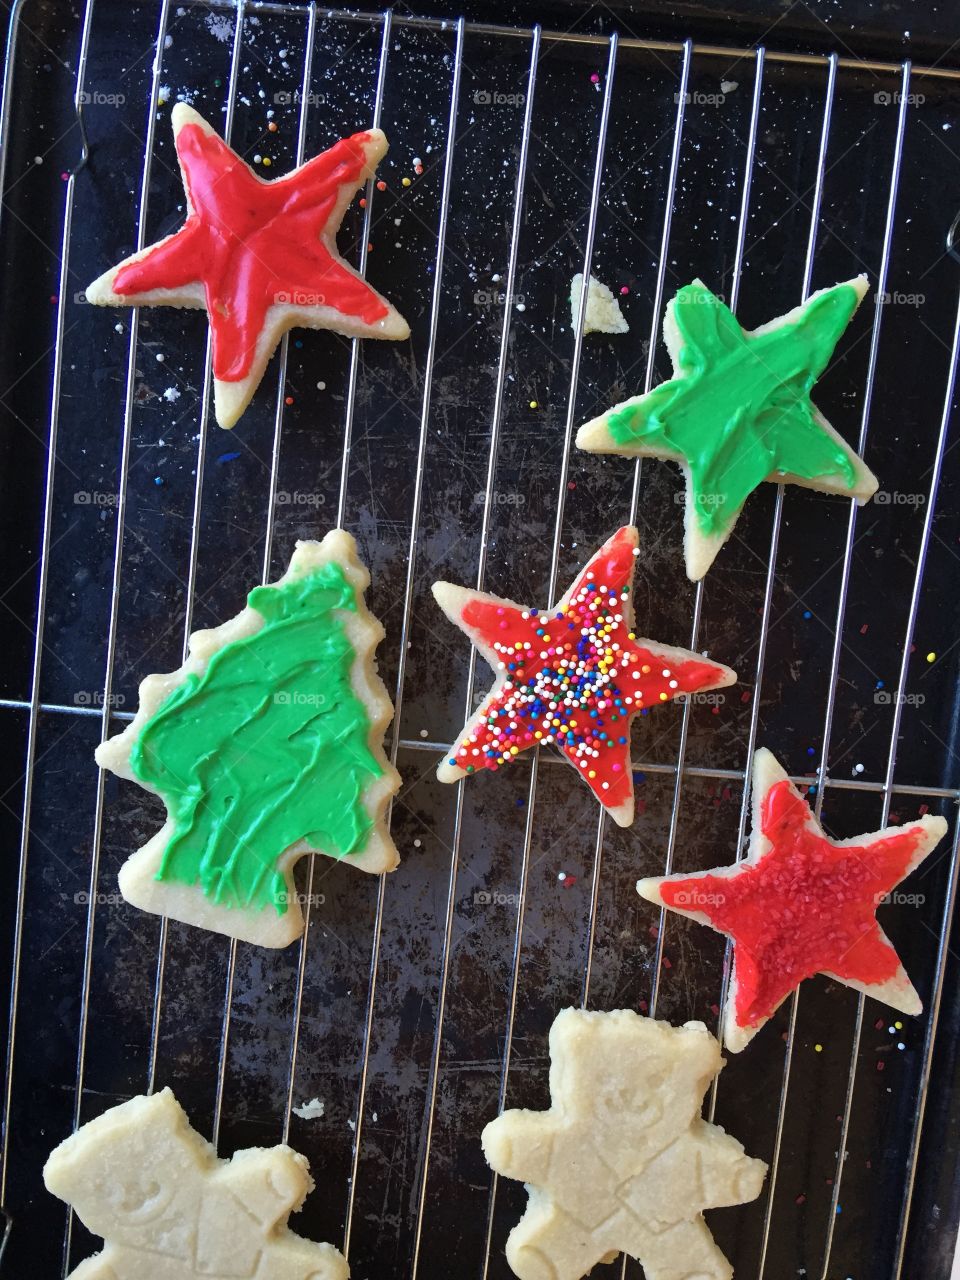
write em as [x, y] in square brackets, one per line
[738, 411]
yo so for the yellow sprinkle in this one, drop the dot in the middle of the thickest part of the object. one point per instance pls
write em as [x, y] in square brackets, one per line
[534, 405]
[645, 669]
[267, 162]
[818, 1048]
[591, 773]
[931, 657]
[537, 733]
[898, 1025]
[406, 182]
[663, 697]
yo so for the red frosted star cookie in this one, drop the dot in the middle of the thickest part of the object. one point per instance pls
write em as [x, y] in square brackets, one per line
[801, 904]
[575, 675]
[260, 257]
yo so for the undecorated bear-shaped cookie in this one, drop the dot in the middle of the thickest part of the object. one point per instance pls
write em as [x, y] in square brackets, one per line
[622, 1161]
[168, 1209]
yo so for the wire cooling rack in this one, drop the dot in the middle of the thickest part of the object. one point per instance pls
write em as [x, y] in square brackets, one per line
[417, 1005]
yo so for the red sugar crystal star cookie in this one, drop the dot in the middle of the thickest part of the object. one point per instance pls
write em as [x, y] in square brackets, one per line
[260, 257]
[800, 904]
[574, 675]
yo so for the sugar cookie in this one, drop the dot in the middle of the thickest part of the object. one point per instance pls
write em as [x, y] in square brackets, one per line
[737, 411]
[575, 675]
[801, 904]
[265, 745]
[622, 1161]
[168, 1209]
[260, 257]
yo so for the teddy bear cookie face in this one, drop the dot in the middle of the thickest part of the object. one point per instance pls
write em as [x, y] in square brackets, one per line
[622, 1162]
[168, 1209]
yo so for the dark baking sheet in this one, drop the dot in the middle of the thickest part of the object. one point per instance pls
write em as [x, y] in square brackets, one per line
[399, 1147]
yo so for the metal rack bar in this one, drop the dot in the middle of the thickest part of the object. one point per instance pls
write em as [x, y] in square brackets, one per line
[678, 770]
[38, 647]
[909, 632]
[115, 585]
[734, 52]
[838, 632]
[495, 425]
[407, 604]
[737, 272]
[305, 80]
[602, 132]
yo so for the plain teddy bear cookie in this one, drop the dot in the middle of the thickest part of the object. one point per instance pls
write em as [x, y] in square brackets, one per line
[622, 1161]
[801, 904]
[737, 411]
[575, 675]
[167, 1208]
[260, 257]
[267, 744]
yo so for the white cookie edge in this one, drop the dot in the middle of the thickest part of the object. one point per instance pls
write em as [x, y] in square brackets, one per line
[700, 549]
[187, 903]
[898, 992]
[452, 598]
[232, 398]
[64, 1168]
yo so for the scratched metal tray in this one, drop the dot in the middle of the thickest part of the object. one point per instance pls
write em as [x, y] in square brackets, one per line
[417, 1006]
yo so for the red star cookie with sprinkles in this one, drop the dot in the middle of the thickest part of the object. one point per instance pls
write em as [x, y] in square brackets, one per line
[574, 675]
[800, 904]
[260, 257]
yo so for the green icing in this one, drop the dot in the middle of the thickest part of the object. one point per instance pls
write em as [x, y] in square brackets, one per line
[267, 747]
[740, 408]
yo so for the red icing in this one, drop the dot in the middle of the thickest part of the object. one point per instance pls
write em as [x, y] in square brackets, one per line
[251, 242]
[607, 682]
[806, 907]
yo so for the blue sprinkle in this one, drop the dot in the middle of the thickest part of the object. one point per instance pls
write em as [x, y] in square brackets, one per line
[520, 802]
[451, 761]
[227, 457]
[638, 776]
[297, 342]
[811, 751]
[812, 790]
[158, 481]
[880, 684]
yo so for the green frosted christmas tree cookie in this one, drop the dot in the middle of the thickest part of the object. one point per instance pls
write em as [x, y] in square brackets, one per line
[265, 745]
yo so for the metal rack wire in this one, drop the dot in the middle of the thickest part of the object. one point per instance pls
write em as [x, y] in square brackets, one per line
[678, 772]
